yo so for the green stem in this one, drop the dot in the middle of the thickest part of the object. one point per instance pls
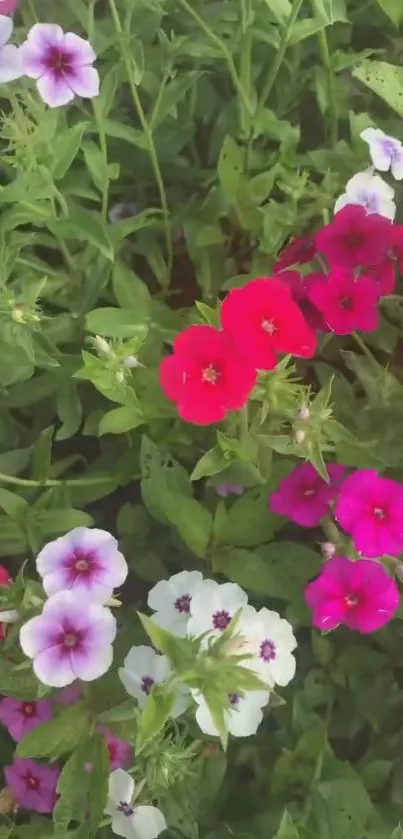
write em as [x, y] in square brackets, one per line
[364, 348]
[225, 52]
[53, 482]
[330, 530]
[275, 67]
[104, 152]
[147, 131]
[62, 244]
[332, 103]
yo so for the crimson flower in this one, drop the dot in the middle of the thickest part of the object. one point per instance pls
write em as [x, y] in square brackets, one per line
[262, 319]
[298, 252]
[355, 238]
[384, 276]
[205, 376]
[299, 286]
[397, 245]
[347, 303]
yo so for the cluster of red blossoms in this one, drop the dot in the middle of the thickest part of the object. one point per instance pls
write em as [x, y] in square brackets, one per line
[213, 371]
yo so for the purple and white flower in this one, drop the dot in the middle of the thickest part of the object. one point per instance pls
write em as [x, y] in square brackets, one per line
[369, 191]
[386, 152]
[129, 819]
[61, 63]
[242, 717]
[271, 641]
[10, 58]
[171, 601]
[33, 784]
[213, 607]
[143, 668]
[71, 639]
[21, 717]
[86, 561]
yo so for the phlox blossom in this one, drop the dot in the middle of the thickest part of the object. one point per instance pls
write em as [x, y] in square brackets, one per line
[347, 302]
[10, 57]
[300, 286]
[355, 238]
[120, 752]
[214, 605]
[299, 251]
[7, 7]
[129, 819]
[386, 152]
[206, 376]
[21, 717]
[86, 561]
[261, 320]
[33, 784]
[370, 508]
[61, 63]
[71, 639]
[171, 600]
[224, 490]
[143, 668]
[271, 641]
[304, 497]
[359, 594]
[242, 717]
[371, 192]
[383, 275]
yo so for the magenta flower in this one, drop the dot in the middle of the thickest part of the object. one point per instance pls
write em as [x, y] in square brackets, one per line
[300, 286]
[304, 497]
[69, 695]
[354, 238]
[346, 302]
[33, 784]
[120, 752]
[61, 63]
[359, 594]
[370, 508]
[299, 251]
[71, 639]
[7, 7]
[21, 717]
[86, 561]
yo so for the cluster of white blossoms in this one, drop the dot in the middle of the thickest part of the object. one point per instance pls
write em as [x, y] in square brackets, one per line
[368, 189]
[188, 605]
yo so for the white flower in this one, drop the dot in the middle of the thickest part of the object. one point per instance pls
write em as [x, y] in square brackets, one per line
[243, 717]
[386, 152]
[271, 641]
[371, 192]
[10, 60]
[9, 616]
[171, 600]
[143, 668]
[129, 820]
[213, 607]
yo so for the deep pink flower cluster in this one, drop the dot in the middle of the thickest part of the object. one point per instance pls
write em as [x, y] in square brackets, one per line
[361, 250]
[304, 497]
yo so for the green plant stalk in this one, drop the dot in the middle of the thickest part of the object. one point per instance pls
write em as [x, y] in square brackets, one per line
[275, 67]
[54, 482]
[148, 133]
[104, 152]
[226, 53]
[364, 348]
[325, 55]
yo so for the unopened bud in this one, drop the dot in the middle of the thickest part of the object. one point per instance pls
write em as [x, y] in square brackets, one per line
[131, 361]
[101, 345]
[18, 315]
[328, 549]
[304, 413]
[299, 436]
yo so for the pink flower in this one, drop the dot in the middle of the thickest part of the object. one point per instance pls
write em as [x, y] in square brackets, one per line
[69, 695]
[301, 250]
[86, 561]
[32, 784]
[359, 594]
[304, 497]
[61, 63]
[20, 717]
[355, 238]
[120, 752]
[7, 7]
[371, 509]
[347, 303]
[71, 639]
[300, 286]
[384, 276]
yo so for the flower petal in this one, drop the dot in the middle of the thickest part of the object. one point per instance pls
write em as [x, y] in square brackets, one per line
[148, 822]
[84, 81]
[54, 668]
[10, 63]
[54, 90]
[6, 28]
[82, 50]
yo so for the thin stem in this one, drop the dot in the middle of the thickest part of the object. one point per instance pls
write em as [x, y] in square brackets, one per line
[364, 348]
[226, 53]
[275, 67]
[332, 103]
[62, 244]
[53, 482]
[148, 133]
[104, 152]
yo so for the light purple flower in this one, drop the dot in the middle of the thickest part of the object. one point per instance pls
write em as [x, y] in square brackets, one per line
[86, 561]
[369, 191]
[386, 152]
[10, 59]
[61, 63]
[69, 695]
[32, 784]
[20, 717]
[228, 489]
[71, 639]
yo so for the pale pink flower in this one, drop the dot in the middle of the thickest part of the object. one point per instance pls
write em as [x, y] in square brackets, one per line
[7, 7]
[371, 509]
[61, 63]
[33, 784]
[20, 717]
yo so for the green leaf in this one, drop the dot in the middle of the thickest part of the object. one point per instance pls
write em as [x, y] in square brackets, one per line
[260, 187]
[120, 420]
[96, 164]
[127, 710]
[385, 80]
[130, 291]
[287, 829]
[276, 570]
[58, 736]
[99, 779]
[116, 323]
[86, 226]
[75, 785]
[12, 504]
[59, 520]
[19, 684]
[42, 455]
[68, 144]
[393, 9]
[230, 168]
[248, 521]
[281, 9]
[191, 519]
[155, 714]
[210, 463]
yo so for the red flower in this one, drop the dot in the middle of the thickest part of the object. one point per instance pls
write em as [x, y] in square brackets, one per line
[397, 245]
[262, 319]
[354, 238]
[299, 287]
[384, 276]
[345, 302]
[5, 580]
[300, 250]
[205, 376]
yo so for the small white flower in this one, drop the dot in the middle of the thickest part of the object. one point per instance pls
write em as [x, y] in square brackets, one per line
[214, 606]
[371, 192]
[143, 668]
[386, 152]
[128, 819]
[10, 57]
[271, 641]
[243, 717]
[9, 616]
[171, 601]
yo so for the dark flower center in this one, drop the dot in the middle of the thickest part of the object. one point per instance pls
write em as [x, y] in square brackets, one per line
[221, 620]
[379, 513]
[233, 698]
[59, 60]
[83, 562]
[147, 684]
[346, 303]
[351, 600]
[210, 375]
[31, 781]
[125, 808]
[355, 238]
[268, 326]
[267, 650]
[182, 604]
[70, 639]
[27, 709]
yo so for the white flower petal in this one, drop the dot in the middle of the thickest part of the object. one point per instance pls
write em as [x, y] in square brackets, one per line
[397, 166]
[6, 28]
[148, 822]
[121, 788]
[10, 63]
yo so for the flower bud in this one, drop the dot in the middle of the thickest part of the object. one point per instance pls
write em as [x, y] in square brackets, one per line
[101, 345]
[328, 549]
[304, 413]
[131, 361]
[299, 436]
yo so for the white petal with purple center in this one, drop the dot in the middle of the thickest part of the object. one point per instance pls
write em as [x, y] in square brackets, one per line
[213, 607]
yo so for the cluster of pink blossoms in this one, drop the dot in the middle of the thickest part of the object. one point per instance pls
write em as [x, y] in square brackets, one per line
[360, 593]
